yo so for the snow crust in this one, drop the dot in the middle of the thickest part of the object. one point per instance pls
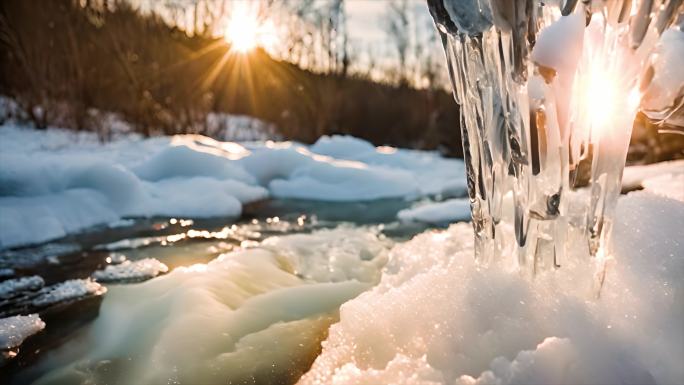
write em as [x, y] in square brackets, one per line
[55, 182]
[256, 312]
[131, 270]
[437, 317]
[450, 210]
[14, 330]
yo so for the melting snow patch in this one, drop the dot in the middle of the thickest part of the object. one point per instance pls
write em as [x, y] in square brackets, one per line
[131, 271]
[14, 330]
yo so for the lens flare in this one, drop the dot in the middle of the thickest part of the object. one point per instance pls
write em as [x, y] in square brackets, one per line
[245, 31]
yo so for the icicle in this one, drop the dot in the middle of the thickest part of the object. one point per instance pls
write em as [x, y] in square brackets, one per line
[546, 93]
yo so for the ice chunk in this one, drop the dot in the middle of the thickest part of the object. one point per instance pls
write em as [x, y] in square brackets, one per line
[14, 330]
[131, 271]
[451, 210]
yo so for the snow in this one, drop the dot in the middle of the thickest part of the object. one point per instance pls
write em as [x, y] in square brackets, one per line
[249, 313]
[665, 178]
[450, 210]
[566, 32]
[67, 290]
[131, 270]
[437, 317]
[12, 287]
[670, 186]
[55, 182]
[14, 330]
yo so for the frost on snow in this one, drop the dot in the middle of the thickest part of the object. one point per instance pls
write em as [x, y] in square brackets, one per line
[55, 182]
[14, 330]
[437, 317]
[131, 271]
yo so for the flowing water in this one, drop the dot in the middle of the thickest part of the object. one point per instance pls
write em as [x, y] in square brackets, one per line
[318, 256]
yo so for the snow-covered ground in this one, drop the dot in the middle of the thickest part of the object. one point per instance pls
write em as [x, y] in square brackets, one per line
[56, 182]
[436, 317]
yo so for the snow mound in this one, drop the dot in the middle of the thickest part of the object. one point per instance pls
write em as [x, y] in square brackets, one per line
[14, 330]
[131, 271]
[12, 287]
[451, 210]
[66, 291]
[55, 182]
[437, 317]
[248, 316]
[432, 174]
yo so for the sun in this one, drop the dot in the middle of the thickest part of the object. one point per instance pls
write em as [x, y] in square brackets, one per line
[245, 32]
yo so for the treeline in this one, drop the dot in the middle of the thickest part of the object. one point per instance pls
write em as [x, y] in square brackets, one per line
[63, 60]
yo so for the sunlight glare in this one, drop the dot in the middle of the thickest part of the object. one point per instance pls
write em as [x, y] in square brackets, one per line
[245, 31]
[601, 98]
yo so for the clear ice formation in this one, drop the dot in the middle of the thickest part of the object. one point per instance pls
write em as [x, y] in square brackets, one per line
[548, 92]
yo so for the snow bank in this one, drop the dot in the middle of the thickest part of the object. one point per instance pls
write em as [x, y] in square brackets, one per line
[450, 210]
[247, 316]
[54, 182]
[131, 271]
[436, 317]
[14, 330]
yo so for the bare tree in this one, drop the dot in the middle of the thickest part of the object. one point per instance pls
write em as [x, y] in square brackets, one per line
[397, 28]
